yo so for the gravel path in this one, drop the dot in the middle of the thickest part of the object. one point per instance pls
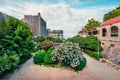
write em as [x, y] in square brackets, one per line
[93, 71]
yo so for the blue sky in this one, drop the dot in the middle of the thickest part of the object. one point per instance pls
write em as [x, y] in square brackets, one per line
[68, 15]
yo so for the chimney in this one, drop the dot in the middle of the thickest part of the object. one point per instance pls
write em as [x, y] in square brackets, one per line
[39, 14]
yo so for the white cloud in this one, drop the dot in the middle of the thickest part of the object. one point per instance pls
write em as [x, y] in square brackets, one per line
[57, 16]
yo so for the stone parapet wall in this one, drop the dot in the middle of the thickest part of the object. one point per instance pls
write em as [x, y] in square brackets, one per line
[111, 51]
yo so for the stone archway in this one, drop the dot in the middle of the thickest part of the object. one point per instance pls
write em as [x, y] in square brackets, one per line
[104, 32]
[114, 31]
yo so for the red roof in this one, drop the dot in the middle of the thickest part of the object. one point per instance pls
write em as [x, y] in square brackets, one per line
[87, 30]
[110, 21]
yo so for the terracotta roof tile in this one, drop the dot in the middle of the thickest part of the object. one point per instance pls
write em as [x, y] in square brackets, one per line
[110, 21]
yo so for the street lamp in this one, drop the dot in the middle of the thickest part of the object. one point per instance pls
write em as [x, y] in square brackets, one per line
[98, 49]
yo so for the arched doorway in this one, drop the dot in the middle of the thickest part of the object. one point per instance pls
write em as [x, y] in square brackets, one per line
[114, 31]
[104, 32]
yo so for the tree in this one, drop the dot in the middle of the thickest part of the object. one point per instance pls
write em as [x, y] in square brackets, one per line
[89, 42]
[92, 24]
[78, 39]
[114, 13]
[40, 39]
[18, 39]
[3, 28]
[92, 43]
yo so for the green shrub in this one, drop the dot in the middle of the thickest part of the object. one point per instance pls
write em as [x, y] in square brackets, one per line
[81, 65]
[14, 60]
[55, 39]
[68, 54]
[25, 56]
[8, 62]
[39, 57]
[89, 42]
[51, 48]
[95, 55]
[18, 39]
[46, 44]
[16, 43]
[48, 57]
[4, 64]
[39, 39]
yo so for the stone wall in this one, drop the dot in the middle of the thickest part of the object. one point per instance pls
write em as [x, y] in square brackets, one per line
[111, 51]
[110, 44]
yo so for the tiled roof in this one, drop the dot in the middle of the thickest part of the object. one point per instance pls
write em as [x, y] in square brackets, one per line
[111, 21]
[87, 30]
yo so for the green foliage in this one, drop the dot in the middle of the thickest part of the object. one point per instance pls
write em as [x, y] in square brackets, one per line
[78, 39]
[18, 40]
[44, 58]
[81, 65]
[51, 48]
[40, 39]
[25, 56]
[4, 64]
[3, 28]
[14, 60]
[89, 42]
[39, 57]
[95, 55]
[8, 62]
[92, 24]
[48, 57]
[92, 43]
[68, 54]
[54, 39]
[112, 14]
[16, 43]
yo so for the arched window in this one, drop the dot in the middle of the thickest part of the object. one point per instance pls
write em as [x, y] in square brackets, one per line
[114, 31]
[104, 32]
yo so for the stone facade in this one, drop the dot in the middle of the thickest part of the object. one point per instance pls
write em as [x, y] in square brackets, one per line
[109, 35]
[37, 25]
[55, 33]
[2, 15]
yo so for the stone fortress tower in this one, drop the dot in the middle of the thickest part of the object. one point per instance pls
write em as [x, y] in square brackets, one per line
[37, 24]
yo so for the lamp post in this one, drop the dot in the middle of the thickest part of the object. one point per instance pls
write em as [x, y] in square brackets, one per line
[98, 49]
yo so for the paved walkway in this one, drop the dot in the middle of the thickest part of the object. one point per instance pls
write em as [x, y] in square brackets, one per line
[101, 70]
[93, 71]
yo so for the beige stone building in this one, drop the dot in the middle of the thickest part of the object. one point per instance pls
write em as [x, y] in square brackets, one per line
[55, 33]
[109, 35]
[86, 32]
[37, 24]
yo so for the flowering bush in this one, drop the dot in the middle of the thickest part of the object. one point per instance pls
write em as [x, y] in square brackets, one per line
[46, 44]
[69, 54]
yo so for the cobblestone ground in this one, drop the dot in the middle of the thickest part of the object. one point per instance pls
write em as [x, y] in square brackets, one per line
[93, 71]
